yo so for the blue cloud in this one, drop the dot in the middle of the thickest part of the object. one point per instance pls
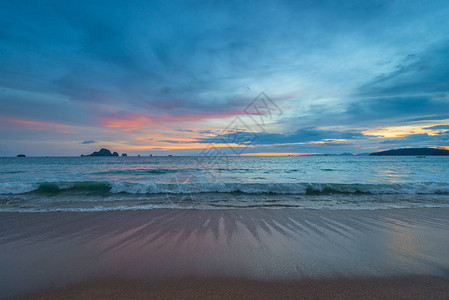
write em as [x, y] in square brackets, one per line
[88, 142]
[438, 127]
[302, 135]
[428, 118]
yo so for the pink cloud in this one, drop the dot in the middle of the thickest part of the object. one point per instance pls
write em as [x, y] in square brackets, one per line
[136, 120]
[33, 123]
[126, 121]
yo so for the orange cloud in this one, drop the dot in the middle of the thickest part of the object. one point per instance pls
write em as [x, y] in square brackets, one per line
[400, 131]
[439, 147]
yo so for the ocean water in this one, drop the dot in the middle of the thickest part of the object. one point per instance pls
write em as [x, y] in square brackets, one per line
[308, 182]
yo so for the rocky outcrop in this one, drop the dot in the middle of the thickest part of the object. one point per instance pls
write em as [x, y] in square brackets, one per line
[102, 152]
[21, 155]
[124, 154]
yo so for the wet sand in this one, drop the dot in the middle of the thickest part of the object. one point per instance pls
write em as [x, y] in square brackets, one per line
[263, 253]
[362, 288]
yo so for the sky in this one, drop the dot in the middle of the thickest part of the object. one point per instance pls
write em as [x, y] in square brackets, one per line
[238, 77]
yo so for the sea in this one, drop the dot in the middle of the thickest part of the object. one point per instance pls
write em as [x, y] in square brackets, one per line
[81, 184]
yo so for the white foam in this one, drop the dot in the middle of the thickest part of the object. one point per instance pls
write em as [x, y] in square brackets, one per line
[7, 188]
[249, 188]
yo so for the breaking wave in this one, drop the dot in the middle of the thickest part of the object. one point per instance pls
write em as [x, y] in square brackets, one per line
[316, 189]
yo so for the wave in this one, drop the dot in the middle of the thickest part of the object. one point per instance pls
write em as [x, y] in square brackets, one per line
[137, 172]
[316, 189]
[168, 171]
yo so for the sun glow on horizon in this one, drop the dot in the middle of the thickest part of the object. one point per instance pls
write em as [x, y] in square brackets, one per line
[275, 154]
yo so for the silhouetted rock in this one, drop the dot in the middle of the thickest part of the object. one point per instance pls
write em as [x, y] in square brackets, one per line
[21, 155]
[412, 152]
[115, 154]
[124, 154]
[102, 152]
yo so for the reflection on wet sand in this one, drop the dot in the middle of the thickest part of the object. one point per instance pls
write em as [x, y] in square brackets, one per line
[52, 249]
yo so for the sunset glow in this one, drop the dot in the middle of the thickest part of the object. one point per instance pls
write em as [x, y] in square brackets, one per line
[265, 81]
[401, 131]
[277, 154]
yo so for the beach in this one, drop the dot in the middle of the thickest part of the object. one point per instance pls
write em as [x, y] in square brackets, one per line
[256, 253]
[224, 150]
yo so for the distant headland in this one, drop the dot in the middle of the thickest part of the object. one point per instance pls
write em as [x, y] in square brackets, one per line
[412, 152]
[104, 152]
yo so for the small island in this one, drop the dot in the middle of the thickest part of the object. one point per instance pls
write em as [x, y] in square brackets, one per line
[103, 152]
[412, 152]
[21, 155]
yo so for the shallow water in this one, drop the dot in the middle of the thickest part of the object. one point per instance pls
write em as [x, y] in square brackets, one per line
[122, 183]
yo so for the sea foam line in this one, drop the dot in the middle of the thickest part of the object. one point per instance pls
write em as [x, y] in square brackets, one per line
[103, 187]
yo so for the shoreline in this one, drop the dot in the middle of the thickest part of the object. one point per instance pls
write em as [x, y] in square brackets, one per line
[235, 249]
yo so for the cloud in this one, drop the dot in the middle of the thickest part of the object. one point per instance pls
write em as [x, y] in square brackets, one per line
[303, 135]
[88, 142]
[421, 73]
[394, 108]
[427, 118]
[33, 123]
[438, 127]
[123, 119]
[421, 140]
[205, 131]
